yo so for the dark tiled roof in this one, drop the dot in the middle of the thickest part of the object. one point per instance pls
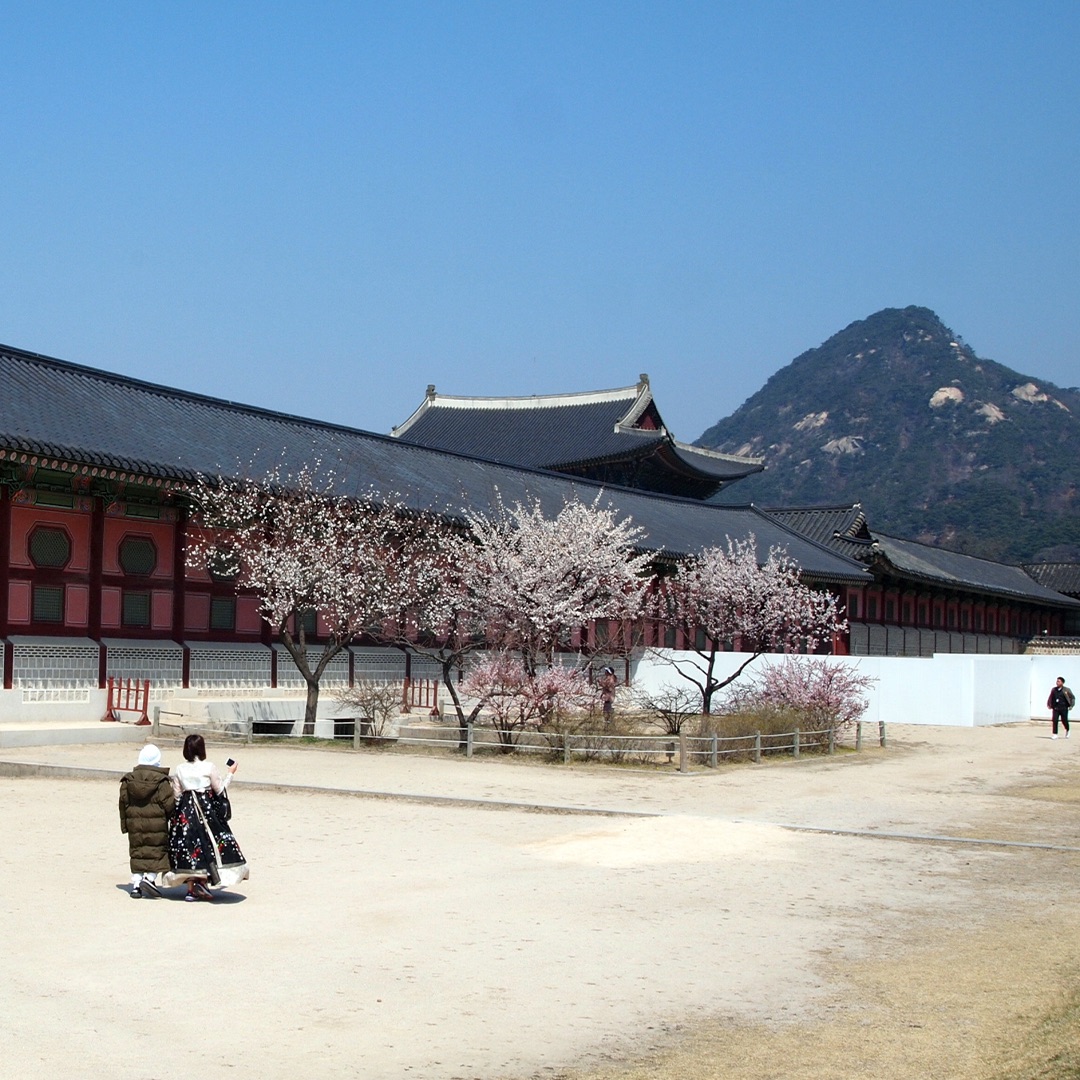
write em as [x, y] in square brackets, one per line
[79, 414]
[840, 528]
[557, 432]
[964, 571]
[844, 529]
[1062, 576]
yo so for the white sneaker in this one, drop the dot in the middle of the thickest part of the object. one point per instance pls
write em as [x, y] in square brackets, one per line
[1053, 736]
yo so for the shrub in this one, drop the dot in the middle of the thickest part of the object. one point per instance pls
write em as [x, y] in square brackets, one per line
[374, 701]
[670, 706]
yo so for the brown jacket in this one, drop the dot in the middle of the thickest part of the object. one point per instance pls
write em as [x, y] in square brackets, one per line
[146, 803]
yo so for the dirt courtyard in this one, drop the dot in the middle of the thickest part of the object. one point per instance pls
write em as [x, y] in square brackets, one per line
[450, 919]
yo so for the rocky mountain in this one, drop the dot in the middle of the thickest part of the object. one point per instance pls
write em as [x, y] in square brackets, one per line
[898, 413]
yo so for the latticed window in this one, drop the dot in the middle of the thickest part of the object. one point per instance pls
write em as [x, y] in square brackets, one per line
[137, 555]
[136, 609]
[223, 565]
[309, 621]
[48, 603]
[49, 547]
[222, 613]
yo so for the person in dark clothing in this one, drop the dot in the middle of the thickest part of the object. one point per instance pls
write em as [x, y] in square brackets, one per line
[607, 683]
[146, 804]
[1060, 701]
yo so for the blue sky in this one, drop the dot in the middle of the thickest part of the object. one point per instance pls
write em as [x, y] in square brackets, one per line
[321, 208]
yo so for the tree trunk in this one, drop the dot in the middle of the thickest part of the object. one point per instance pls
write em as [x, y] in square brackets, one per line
[298, 651]
[463, 720]
[311, 706]
[451, 689]
[710, 687]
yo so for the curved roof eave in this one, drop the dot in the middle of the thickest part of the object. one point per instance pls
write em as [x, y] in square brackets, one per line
[938, 566]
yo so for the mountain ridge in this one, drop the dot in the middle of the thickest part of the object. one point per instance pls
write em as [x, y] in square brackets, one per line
[898, 413]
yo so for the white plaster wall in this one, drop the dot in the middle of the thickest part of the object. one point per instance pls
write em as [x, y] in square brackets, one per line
[15, 709]
[948, 689]
[1045, 669]
[951, 689]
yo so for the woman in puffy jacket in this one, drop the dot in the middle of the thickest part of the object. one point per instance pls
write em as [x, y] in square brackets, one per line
[146, 803]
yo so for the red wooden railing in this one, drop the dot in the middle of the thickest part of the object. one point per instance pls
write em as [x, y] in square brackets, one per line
[420, 694]
[127, 695]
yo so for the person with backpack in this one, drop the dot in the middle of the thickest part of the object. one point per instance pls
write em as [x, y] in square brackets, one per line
[1060, 701]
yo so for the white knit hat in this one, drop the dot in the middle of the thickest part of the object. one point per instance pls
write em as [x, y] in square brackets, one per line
[149, 755]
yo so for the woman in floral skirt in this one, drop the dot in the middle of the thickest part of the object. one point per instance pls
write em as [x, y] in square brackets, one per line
[202, 847]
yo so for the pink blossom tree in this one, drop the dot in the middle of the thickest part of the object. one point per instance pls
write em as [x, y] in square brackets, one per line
[725, 596]
[518, 698]
[301, 548]
[825, 694]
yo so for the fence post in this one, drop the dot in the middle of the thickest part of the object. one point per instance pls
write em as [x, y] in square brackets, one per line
[757, 747]
[683, 767]
[795, 744]
[712, 750]
[566, 748]
[881, 733]
[157, 721]
[250, 729]
[858, 734]
[832, 740]
[356, 733]
[468, 738]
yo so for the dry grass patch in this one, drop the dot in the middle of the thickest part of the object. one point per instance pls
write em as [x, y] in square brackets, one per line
[998, 1003]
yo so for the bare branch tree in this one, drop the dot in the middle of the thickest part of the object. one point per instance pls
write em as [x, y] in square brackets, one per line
[375, 701]
[670, 705]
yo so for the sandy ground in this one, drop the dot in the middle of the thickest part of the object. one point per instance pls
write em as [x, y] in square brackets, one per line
[444, 928]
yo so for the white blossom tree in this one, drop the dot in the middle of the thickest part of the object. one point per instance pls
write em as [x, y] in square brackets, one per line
[534, 579]
[302, 548]
[442, 620]
[724, 596]
[515, 581]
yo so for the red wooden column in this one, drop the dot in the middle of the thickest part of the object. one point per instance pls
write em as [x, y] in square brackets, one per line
[179, 574]
[5, 577]
[97, 558]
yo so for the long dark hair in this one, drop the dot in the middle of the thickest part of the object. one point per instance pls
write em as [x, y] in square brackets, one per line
[194, 748]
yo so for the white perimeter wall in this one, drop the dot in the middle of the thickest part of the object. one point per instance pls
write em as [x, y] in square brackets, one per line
[950, 688]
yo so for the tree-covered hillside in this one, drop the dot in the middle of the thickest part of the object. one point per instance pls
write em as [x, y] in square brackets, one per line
[897, 413]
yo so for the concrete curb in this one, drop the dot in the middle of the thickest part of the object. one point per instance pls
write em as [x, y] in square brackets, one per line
[30, 769]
